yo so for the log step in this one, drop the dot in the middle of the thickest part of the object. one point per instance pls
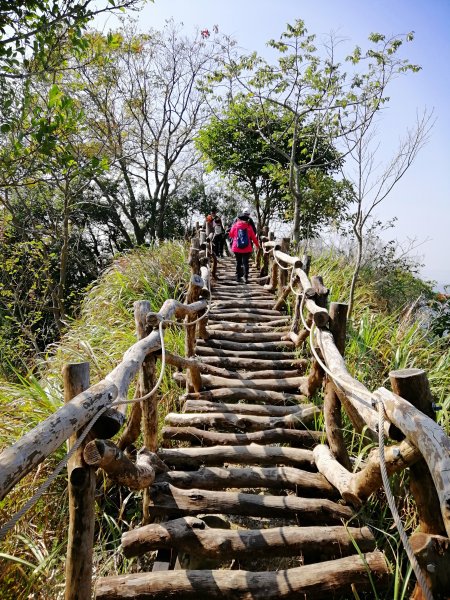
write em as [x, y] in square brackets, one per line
[235, 336]
[238, 394]
[193, 536]
[295, 437]
[320, 580]
[271, 410]
[304, 483]
[202, 350]
[218, 420]
[165, 497]
[251, 455]
[289, 383]
[228, 345]
[254, 364]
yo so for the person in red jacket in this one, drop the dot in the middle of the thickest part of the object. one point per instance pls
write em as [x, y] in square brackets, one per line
[243, 236]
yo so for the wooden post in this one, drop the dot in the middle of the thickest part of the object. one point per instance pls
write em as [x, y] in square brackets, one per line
[194, 380]
[332, 405]
[285, 242]
[147, 378]
[412, 385]
[306, 262]
[316, 375]
[81, 486]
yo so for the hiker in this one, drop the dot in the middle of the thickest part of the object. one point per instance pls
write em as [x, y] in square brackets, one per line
[251, 222]
[218, 238]
[209, 222]
[242, 235]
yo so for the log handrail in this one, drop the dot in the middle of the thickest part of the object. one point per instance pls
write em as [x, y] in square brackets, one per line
[402, 419]
[39, 443]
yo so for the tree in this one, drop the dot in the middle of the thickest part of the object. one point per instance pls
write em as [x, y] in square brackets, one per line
[232, 143]
[321, 98]
[371, 181]
[142, 99]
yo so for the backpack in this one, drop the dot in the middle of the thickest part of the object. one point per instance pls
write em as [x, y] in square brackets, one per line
[242, 238]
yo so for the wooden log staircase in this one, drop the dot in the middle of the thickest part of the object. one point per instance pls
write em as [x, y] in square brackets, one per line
[242, 511]
[244, 499]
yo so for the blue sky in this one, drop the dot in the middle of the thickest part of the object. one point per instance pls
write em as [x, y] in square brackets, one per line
[421, 200]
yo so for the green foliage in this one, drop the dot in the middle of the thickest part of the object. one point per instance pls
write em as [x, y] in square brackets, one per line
[32, 560]
[252, 145]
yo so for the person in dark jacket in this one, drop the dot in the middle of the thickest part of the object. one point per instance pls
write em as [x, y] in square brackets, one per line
[246, 212]
[243, 238]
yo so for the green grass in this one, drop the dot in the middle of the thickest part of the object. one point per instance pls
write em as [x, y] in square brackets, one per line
[32, 556]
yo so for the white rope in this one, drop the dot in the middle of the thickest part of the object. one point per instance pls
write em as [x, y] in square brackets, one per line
[391, 502]
[43, 488]
[390, 498]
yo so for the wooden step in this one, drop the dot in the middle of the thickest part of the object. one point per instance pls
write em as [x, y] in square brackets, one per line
[241, 455]
[227, 421]
[255, 364]
[270, 410]
[239, 394]
[165, 498]
[202, 350]
[245, 346]
[193, 536]
[297, 438]
[318, 581]
[304, 483]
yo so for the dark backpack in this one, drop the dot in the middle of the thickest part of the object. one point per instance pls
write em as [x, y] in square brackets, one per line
[242, 238]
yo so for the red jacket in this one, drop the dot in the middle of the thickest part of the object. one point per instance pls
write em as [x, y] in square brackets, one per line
[250, 233]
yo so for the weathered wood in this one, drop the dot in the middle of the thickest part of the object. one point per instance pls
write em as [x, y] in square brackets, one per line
[147, 378]
[211, 369]
[290, 383]
[134, 356]
[355, 392]
[319, 313]
[193, 294]
[245, 316]
[412, 385]
[286, 259]
[107, 456]
[332, 404]
[258, 354]
[397, 458]
[254, 364]
[243, 422]
[243, 328]
[244, 310]
[245, 346]
[133, 427]
[81, 488]
[254, 336]
[146, 382]
[233, 394]
[192, 535]
[295, 437]
[166, 497]
[224, 304]
[216, 478]
[244, 409]
[251, 455]
[317, 581]
[335, 473]
[281, 300]
[20, 458]
[433, 555]
[429, 438]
